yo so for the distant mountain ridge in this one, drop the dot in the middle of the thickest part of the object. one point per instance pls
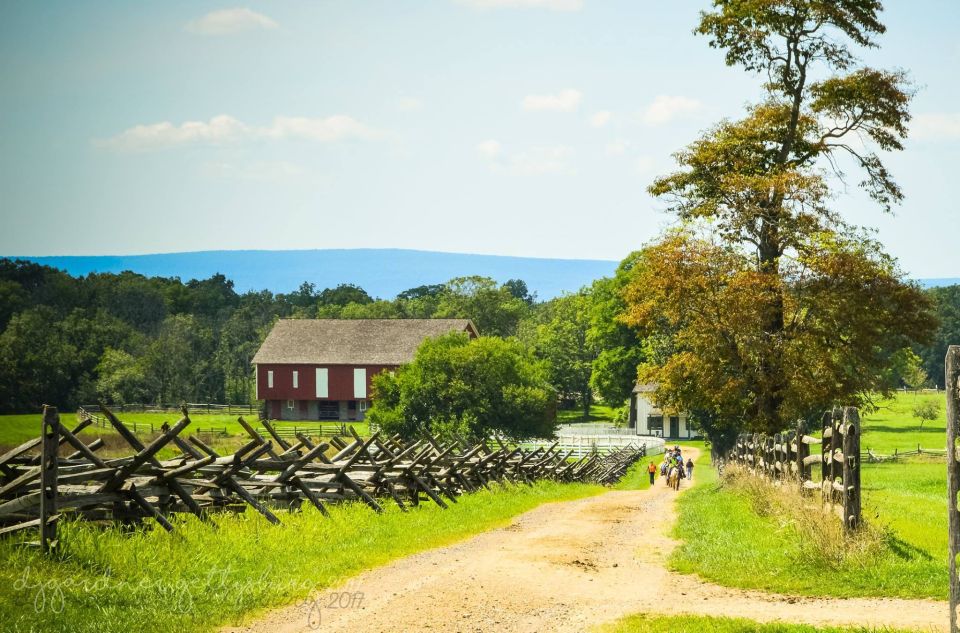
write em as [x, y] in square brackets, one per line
[381, 272]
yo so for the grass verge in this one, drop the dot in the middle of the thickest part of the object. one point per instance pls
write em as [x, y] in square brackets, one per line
[205, 575]
[702, 624]
[636, 477]
[735, 538]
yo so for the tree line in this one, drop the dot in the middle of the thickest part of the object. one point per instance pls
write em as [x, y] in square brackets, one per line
[129, 338]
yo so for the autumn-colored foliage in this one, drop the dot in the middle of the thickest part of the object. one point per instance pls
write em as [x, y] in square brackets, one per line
[766, 306]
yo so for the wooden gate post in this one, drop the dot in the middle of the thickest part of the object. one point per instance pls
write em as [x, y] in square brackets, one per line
[952, 389]
[48, 478]
[851, 468]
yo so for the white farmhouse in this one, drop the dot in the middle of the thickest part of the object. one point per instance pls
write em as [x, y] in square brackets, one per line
[647, 419]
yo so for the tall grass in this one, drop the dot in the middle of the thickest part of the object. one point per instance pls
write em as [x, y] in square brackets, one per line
[207, 574]
[825, 542]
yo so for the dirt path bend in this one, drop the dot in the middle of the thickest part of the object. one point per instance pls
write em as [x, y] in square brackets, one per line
[565, 567]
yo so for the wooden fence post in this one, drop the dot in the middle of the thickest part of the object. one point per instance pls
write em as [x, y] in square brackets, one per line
[803, 451]
[50, 432]
[851, 468]
[952, 389]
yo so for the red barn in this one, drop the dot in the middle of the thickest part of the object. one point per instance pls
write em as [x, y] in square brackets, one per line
[320, 369]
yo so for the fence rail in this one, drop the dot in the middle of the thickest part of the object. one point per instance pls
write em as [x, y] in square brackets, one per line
[321, 429]
[267, 473]
[788, 457]
[870, 456]
[194, 407]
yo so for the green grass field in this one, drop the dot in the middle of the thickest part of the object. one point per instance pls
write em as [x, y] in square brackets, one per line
[893, 426]
[598, 413]
[203, 576]
[674, 623]
[17, 429]
[724, 539]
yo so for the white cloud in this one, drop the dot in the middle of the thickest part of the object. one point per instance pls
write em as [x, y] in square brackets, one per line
[259, 171]
[489, 149]
[409, 104]
[645, 164]
[564, 101]
[666, 108]
[553, 159]
[333, 128]
[225, 129]
[230, 21]
[601, 118]
[553, 5]
[542, 160]
[617, 147]
[938, 126]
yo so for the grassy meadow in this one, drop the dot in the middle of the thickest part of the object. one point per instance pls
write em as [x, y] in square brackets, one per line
[220, 430]
[893, 426]
[598, 413]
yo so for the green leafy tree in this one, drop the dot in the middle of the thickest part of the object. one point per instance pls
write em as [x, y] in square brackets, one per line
[468, 387]
[492, 308]
[620, 347]
[926, 411]
[910, 368]
[122, 378]
[946, 302]
[342, 295]
[37, 366]
[178, 362]
[773, 257]
[563, 342]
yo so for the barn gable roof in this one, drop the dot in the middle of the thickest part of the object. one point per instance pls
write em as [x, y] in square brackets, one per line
[352, 341]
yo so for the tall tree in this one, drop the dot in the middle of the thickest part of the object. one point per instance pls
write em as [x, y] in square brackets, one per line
[562, 341]
[947, 305]
[620, 348]
[493, 308]
[756, 189]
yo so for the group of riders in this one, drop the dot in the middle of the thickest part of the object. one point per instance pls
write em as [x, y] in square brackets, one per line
[673, 468]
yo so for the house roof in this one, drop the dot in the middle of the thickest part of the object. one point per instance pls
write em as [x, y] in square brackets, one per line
[649, 387]
[352, 341]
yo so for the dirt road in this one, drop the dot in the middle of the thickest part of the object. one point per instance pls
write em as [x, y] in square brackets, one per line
[565, 567]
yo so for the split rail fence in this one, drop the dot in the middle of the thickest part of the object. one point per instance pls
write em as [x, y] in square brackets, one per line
[268, 473]
[789, 458]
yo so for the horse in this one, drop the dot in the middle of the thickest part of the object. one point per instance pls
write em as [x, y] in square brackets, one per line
[674, 479]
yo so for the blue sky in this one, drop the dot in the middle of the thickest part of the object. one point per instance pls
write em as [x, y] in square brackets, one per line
[516, 127]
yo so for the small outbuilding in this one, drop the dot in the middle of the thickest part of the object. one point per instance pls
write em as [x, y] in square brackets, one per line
[321, 369]
[648, 419]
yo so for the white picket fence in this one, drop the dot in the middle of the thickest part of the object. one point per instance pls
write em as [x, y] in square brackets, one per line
[585, 444]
